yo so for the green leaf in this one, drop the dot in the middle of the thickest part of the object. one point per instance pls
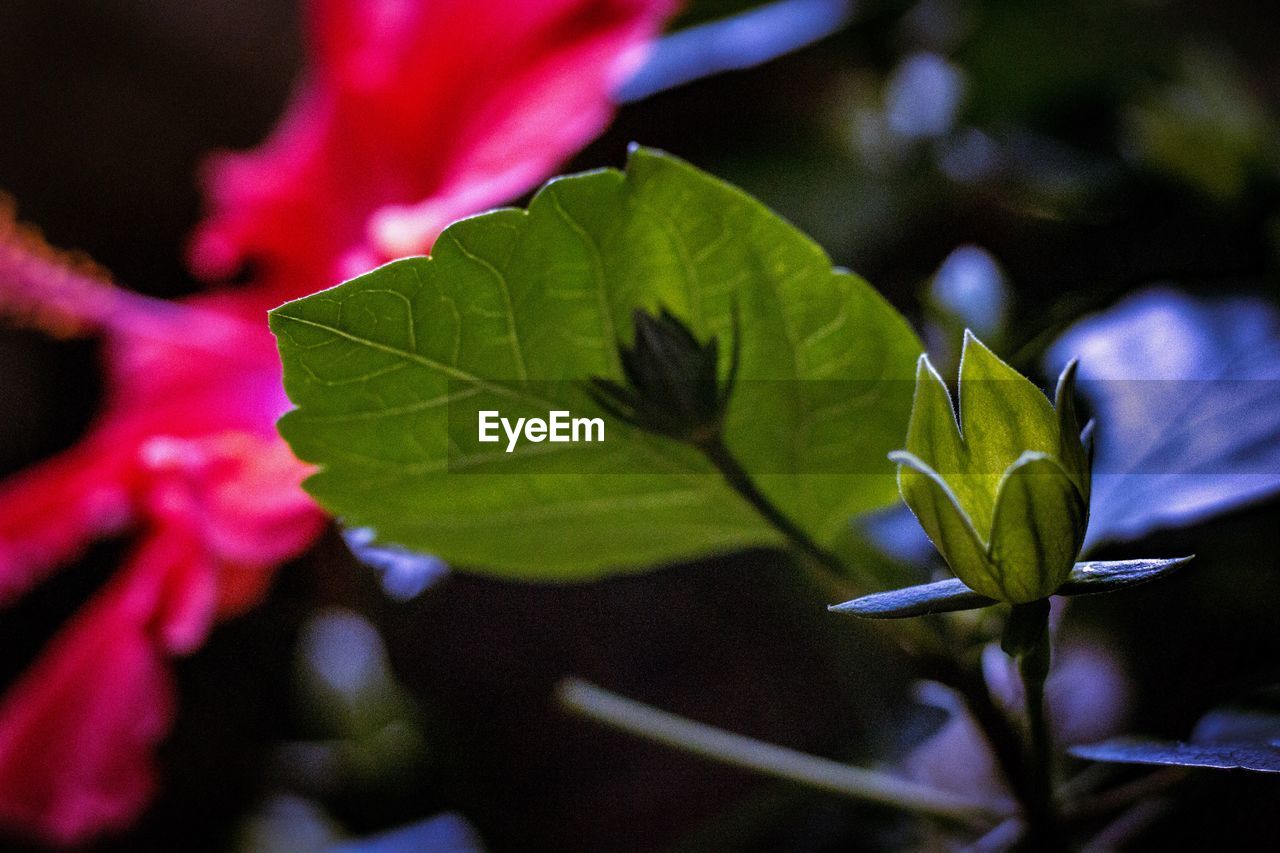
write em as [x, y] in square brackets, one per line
[933, 435]
[516, 310]
[1003, 491]
[1036, 532]
[946, 596]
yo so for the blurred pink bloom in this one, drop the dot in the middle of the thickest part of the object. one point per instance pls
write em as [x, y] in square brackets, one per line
[184, 458]
[410, 114]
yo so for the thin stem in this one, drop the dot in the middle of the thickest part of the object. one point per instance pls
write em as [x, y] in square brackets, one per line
[1137, 819]
[1085, 783]
[1030, 622]
[748, 753]
[1005, 836]
[1000, 734]
[1041, 744]
[720, 456]
[1115, 798]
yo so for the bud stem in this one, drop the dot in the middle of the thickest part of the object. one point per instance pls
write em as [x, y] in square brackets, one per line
[1027, 638]
[736, 476]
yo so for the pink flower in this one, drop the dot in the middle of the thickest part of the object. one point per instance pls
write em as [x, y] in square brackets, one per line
[412, 115]
[409, 115]
[185, 459]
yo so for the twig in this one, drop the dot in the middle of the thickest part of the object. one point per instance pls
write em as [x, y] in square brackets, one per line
[748, 753]
[1118, 834]
[1005, 836]
[1122, 795]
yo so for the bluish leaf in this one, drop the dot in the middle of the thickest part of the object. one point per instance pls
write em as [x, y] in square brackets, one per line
[1090, 578]
[1186, 395]
[741, 41]
[895, 533]
[1244, 735]
[970, 289]
[405, 573]
[1238, 725]
[950, 595]
[944, 596]
[1263, 758]
[445, 833]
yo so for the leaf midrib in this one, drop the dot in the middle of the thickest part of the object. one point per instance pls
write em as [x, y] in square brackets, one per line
[674, 465]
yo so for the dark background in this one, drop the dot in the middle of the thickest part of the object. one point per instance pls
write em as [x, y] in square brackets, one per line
[106, 110]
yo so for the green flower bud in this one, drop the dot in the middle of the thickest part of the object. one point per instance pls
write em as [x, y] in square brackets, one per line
[673, 386]
[1004, 493]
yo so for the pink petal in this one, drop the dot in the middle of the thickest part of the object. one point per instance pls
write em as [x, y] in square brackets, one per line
[48, 513]
[215, 374]
[76, 731]
[241, 497]
[411, 115]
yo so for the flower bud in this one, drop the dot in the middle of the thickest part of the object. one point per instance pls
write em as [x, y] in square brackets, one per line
[673, 386]
[1004, 493]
